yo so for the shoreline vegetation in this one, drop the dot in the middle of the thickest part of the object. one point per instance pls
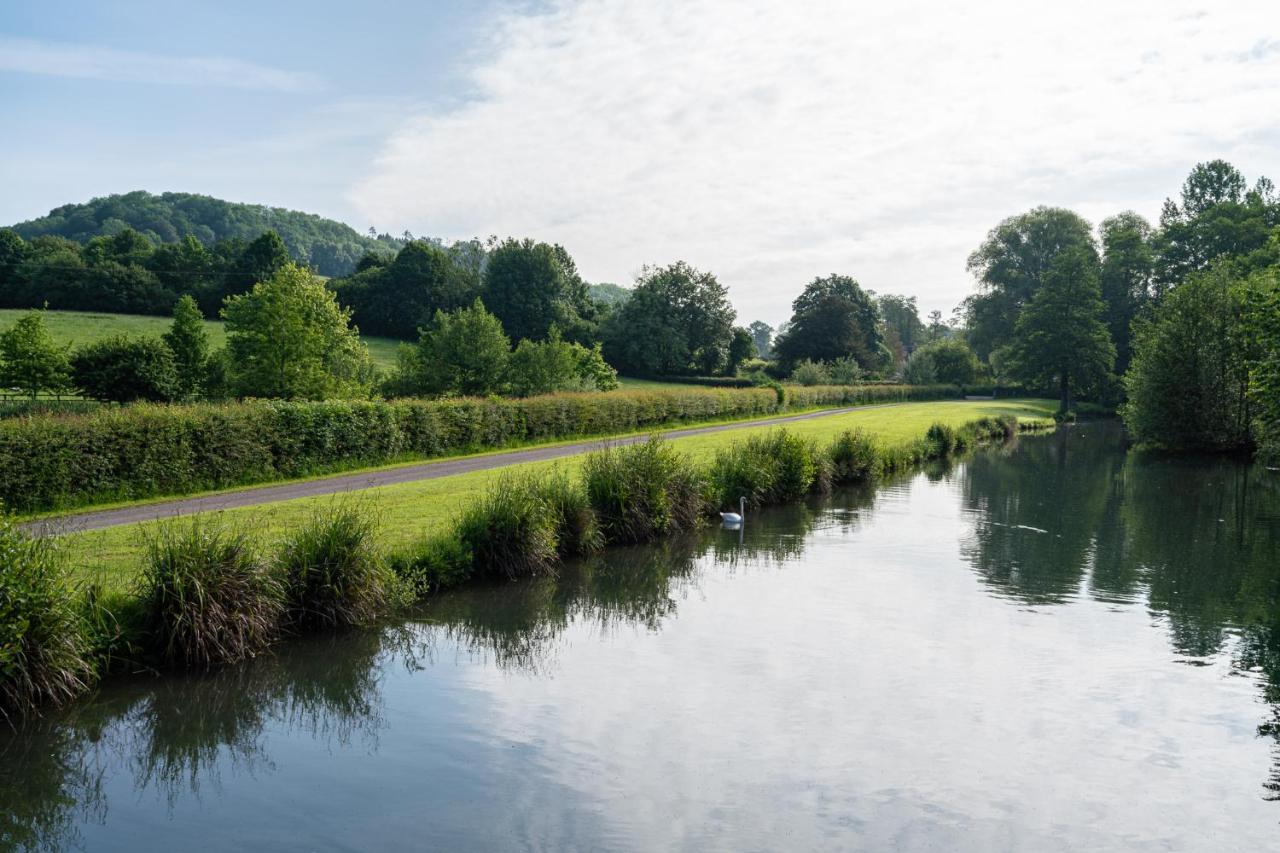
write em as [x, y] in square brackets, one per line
[209, 593]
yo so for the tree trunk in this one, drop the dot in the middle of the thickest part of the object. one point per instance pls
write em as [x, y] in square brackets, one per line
[1065, 386]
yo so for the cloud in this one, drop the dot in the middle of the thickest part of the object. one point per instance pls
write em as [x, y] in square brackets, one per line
[774, 142]
[63, 59]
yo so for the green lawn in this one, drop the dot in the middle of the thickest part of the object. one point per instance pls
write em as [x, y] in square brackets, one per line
[78, 328]
[411, 510]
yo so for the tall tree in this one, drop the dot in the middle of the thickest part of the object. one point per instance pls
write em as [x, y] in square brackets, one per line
[678, 321]
[463, 352]
[30, 360]
[289, 338]
[902, 315]
[762, 334]
[531, 287]
[833, 318]
[1128, 262]
[1010, 267]
[260, 261]
[741, 348]
[1060, 338]
[189, 343]
[396, 299]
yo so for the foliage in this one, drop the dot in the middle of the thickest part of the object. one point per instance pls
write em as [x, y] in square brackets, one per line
[678, 322]
[772, 467]
[44, 647]
[125, 369]
[331, 247]
[531, 287]
[30, 361]
[845, 371]
[904, 332]
[511, 531]
[332, 572]
[464, 352]
[919, 369]
[742, 347]
[1262, 334]
[1188, 383]
[762, 336]
[1011, 265]
[189, 343]
[577, 528]
[643, 491]
[400, 297]
[553, 365]
[1060, 337]
[811, 373]
[1128, 263]
[208, 595]
[853, 457]
[288, 338]
[437, 562]
[833, 318]
[948, 360]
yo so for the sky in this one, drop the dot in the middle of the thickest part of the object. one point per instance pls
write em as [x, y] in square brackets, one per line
[767, 142]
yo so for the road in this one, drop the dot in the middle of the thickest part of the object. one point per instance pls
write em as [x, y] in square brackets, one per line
[340, 483]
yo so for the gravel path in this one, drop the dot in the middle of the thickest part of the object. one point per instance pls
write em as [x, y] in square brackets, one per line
[339, 483]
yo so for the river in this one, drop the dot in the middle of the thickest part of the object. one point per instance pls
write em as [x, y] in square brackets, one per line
[1053, 645]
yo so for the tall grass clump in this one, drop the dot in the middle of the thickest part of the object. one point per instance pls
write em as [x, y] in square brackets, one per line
[943, 439]
[511, 532]
[45, 653]
[775, 467]
[440, 561]
[643, 491]
[577, 528]
[209, 597]
[333, 573]
[853, 456]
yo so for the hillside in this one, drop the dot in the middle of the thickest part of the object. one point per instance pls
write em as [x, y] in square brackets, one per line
[77, 328]
[332, 248]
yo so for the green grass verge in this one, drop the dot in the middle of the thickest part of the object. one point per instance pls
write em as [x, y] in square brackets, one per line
[409, 511]
[77, 328]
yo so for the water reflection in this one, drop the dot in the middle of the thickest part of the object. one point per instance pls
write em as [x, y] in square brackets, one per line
[1195, 544]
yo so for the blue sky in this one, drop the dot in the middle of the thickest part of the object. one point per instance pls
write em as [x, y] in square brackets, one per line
[768, 142]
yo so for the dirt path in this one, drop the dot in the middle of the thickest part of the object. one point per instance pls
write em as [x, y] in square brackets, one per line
[338, 483]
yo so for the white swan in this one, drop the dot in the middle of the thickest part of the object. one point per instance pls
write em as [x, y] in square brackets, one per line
[735, 517]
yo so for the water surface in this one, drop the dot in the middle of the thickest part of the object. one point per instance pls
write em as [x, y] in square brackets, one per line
[1051, 646]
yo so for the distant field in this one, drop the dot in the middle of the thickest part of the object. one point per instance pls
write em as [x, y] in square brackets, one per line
[82, 327]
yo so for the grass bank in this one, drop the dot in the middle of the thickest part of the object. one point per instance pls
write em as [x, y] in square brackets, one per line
[410, 510]
[215, 589]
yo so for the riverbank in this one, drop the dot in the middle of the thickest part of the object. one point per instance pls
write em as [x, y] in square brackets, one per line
[216, 589]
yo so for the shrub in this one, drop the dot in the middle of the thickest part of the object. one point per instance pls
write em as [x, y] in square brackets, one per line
[643, 491]
[209, 598]
[577, 528]
[510, 531]
[122, 369]
[774, 467]
[332, 572]
[438, 562]
[853, 457]
[44, 648]
[942, 439]
[811, 373]
[845, 371]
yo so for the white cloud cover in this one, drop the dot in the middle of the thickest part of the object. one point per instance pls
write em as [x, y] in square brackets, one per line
[773, 142]
[64, 59]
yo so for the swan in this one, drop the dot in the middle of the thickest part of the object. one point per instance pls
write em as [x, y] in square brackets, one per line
[735, 517]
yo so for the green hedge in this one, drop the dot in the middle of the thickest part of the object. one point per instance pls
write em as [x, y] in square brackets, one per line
[140, 451]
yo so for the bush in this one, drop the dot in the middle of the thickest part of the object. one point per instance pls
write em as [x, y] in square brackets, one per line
[510, 531]
[208, 596]
[577, 528]
[853, 457]
[643, 491]
[811, 373]
[45, 652]
[943, 439]
[122, 369]
[845, 371]
[557, 365]
[775, 467]
[332, 572]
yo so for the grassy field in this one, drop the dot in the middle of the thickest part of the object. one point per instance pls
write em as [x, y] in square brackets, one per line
[409, 511]
[78, 328]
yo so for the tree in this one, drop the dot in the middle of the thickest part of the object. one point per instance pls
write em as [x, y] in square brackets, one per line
[396, 299]
[901, 315]
[949, 361]
[260, 261]
[937, 329]
[464, 352]
[1261, 328]
[1011, 265]
[678, 321]
[189, 343]
[833, 318]
[741, 347]
[541, 367]
[762, 334]
[531, 287]
[30, 361]
[1060, 337]
[122, 369]
[1128, 262]
[1188, 383]
[289, 338]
